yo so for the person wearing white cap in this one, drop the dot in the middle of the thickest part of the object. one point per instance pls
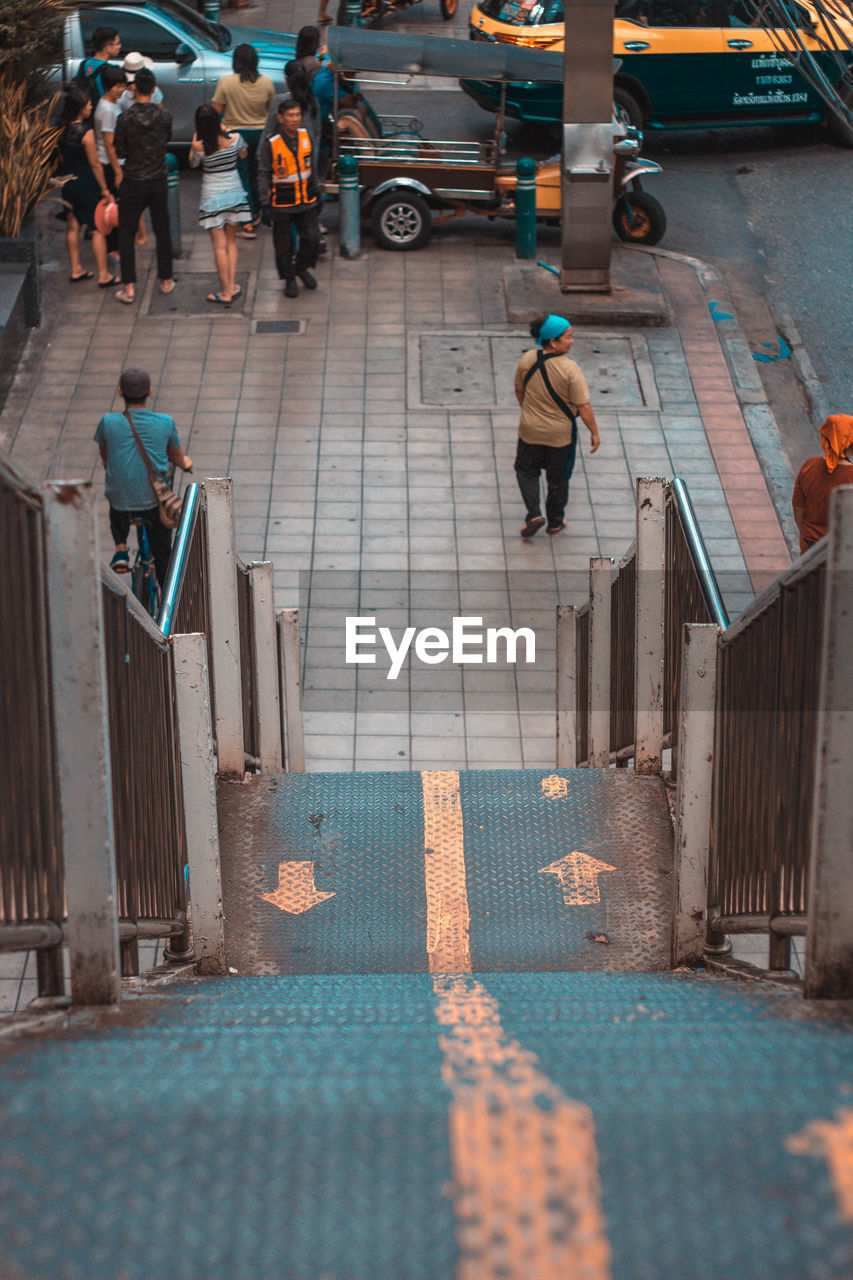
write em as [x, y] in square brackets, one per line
[553, 394]
[135, 62]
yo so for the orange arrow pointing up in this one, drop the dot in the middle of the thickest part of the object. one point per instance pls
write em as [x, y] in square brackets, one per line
[578, 874]
[296, 891]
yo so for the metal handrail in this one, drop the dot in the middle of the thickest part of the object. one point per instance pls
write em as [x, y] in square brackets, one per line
[180, 557]
[696, 543]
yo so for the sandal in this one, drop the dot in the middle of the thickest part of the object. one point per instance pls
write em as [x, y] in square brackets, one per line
[556, 528]
[533, 525]
[87, 275]
[123, 296]
[108, 284]
[171, 288]
[217, 297]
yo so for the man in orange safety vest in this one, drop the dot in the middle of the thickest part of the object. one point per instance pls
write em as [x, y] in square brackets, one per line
[290, 198]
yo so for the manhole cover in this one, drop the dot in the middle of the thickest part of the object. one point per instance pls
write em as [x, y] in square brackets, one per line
[478, 370]
[190, 296]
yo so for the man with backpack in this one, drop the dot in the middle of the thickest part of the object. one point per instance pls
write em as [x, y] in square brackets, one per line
[141, 137]
[128, 486]
[106, 43]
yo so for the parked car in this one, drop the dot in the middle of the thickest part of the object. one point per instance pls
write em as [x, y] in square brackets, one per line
[686, 63]
[189, 52]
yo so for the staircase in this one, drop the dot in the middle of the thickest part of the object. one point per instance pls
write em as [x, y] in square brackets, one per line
[450, 1051]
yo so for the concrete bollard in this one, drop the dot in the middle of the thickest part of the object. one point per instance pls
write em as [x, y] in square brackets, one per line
[350, 207]
[525, 208]
[211, 10]
[174, 197]
[354, 13]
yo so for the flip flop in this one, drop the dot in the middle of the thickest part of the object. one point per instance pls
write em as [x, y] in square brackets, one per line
[236, 294]
[171, 288]
[556, 528]
[87, 275]
[109, 284]
[533, 525]
[121, 296]
[217, 297]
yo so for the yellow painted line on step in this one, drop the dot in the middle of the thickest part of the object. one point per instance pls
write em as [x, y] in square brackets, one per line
[296, 892]
[448, 918]
[554, 787]
[833, 1140]
[526, 1190]
[578, 874]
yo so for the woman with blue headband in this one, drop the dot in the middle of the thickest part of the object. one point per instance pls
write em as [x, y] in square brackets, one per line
[553, 394]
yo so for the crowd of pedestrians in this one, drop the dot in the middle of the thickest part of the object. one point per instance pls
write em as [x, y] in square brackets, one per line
[262, 156]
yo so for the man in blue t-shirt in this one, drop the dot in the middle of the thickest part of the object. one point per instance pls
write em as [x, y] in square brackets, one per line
[106, 44]
[127, 486]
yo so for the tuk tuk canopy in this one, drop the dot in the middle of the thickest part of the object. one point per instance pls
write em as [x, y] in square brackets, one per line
[354, 49]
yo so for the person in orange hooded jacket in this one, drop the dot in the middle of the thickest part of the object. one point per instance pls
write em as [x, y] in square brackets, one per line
[818, 476]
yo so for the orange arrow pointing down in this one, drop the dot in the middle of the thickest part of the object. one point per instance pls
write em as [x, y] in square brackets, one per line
[578, 874]
[296, 890]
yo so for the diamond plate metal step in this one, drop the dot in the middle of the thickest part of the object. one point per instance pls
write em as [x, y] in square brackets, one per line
[357, 901]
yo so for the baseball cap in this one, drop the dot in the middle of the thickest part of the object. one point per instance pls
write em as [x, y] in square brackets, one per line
[135, 62]
[134, 383]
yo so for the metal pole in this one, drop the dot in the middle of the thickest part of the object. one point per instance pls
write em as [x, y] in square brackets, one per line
[649, 630]
[198, 775]
[224, 627]
[567, 729]
[697, 701]
[829, 935]
[600, 575]
[265, 667]
[349, 203]
[587, 146]
[525, 208]
[174, 199]
[82, 744]
[291, 688]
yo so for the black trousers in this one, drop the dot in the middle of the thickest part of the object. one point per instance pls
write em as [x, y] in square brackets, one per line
[306, 223]
[133, 199]
[558, 465]
[159, 536]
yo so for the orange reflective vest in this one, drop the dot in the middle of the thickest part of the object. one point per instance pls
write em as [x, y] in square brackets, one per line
[290, 173]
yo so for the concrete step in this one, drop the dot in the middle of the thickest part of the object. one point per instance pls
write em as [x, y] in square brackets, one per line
[416, 1127]
[491, 870]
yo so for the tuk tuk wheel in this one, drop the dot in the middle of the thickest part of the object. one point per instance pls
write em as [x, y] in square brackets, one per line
[448, 8]
[401, 220]
[639, 218]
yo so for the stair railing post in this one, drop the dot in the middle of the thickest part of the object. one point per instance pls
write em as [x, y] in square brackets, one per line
[649, 630]
[829, 934]
[600, 576]
[291, 690]
[265, 666]
[567, 729]
[79, 688]
[696, 714]
[224, 627]
[198, 776]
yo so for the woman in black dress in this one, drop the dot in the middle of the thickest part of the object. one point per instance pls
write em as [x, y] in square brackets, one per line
[86, 186]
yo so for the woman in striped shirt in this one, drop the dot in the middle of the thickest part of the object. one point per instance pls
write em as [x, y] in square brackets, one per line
[224, 205]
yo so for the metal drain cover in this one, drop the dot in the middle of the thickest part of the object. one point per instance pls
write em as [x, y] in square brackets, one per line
[279, 326]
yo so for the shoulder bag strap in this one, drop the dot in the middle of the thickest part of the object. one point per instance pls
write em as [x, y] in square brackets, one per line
[539, 364]
[143, 452]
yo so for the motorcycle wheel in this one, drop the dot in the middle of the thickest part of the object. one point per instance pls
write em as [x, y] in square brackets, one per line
[401, 220]
[448, 8]
[639, 218]
[628, 109]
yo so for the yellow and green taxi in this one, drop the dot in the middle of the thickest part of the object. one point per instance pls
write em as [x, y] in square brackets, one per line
[684, 63]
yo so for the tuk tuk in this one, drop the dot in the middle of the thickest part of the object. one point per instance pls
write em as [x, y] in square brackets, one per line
[409, 184]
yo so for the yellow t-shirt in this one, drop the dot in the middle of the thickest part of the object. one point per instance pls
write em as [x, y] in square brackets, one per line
[244, 104]
[542, 420]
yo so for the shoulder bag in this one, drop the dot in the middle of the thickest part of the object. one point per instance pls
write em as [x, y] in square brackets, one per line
[539, 363]
[169, 503]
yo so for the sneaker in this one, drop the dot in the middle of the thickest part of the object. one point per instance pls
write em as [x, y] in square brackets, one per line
[120, 562]
[247, 232]
[291, 289]
[307, 279]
